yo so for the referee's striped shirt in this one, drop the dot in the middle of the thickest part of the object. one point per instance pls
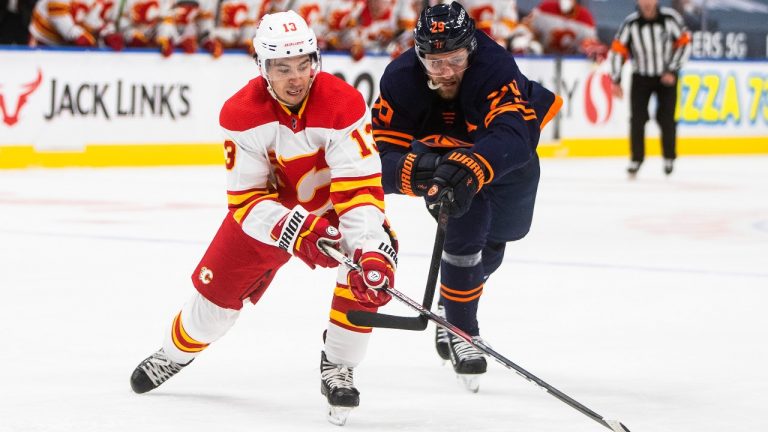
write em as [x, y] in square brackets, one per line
[656, 46]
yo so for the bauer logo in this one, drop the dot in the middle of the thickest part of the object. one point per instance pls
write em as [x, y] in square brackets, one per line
[374, 276]
[598, 101]
[13, 97]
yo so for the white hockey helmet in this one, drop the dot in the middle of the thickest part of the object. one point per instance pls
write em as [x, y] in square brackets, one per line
[283, 34]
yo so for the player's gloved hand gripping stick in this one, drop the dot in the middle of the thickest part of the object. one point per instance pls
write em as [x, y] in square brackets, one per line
[417, 323]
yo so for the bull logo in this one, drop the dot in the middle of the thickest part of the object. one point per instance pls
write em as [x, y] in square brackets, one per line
[11, 112]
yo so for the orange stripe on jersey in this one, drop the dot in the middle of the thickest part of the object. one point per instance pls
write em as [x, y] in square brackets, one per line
[461, 296]
[243, 211]
[182, 340]
[444, 141]
[552, 112]
[348, 184]
[58, 9]
[488, 167]
[403, 135]
[394, 141]
[397, 138]
[237, 198]
[45, 28]
[527, 113]
[349, 192]
[360, 199]
[619, 48]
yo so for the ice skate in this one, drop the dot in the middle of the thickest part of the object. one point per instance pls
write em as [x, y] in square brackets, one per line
[669, 166]
[633, 168]
[337, 384]
[468, 363]
[441, 337]
[153, 371]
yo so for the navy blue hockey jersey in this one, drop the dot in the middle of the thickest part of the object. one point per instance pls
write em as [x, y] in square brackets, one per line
[498, 112]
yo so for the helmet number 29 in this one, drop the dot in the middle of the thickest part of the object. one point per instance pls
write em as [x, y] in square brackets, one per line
[437, 27]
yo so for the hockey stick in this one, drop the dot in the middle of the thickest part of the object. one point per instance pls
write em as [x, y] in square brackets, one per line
[478, 343]
[417, 323]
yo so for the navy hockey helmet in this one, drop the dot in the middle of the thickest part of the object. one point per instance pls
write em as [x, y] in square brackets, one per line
[443, 28]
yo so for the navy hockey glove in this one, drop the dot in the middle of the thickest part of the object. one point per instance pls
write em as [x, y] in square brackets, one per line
[299, 232]
[462, 173]
[377, 261]
[415, 171]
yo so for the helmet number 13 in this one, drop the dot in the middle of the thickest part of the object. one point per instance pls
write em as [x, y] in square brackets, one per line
[289, 27]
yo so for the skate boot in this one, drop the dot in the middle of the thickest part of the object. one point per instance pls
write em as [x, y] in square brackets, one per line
[669, 166]
[633, 168]
[153, 371]
[441, 337]
[468, 363]
[336, 384]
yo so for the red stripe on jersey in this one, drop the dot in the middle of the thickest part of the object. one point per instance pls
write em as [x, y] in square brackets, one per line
[182, 340]
[341, 179]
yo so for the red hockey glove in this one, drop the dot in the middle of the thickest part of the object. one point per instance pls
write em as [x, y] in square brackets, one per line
[415, 171]
[299, 232]
[85, 40]
[378, 265]
[461, 172]
[114, 41]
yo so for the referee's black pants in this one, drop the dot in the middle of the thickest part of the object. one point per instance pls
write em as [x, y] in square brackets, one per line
[642, 89]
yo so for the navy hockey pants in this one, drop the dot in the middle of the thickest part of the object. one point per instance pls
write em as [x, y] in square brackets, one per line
[475, 242]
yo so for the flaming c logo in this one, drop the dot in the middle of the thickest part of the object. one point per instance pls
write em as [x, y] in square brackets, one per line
[11, 112]
[597, 97]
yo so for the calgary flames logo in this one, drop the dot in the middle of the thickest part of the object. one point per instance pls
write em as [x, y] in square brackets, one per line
[10, 111]
[206, 275]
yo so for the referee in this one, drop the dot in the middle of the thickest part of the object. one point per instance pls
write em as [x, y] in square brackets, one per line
[658, 43]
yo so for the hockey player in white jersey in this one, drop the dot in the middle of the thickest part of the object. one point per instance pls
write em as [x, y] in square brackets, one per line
[302, 170]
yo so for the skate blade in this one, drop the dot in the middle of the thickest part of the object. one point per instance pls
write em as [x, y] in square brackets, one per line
[338, 415]
[470, 382]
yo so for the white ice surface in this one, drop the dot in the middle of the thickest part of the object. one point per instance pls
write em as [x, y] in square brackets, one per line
[644, 300]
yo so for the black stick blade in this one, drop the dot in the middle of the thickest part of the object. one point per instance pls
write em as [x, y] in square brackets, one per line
[371, 319]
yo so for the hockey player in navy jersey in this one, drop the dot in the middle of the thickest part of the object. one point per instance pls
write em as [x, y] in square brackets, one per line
[456, 114]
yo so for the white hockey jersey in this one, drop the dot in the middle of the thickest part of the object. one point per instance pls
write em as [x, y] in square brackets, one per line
[322, 158]
[60, 22]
